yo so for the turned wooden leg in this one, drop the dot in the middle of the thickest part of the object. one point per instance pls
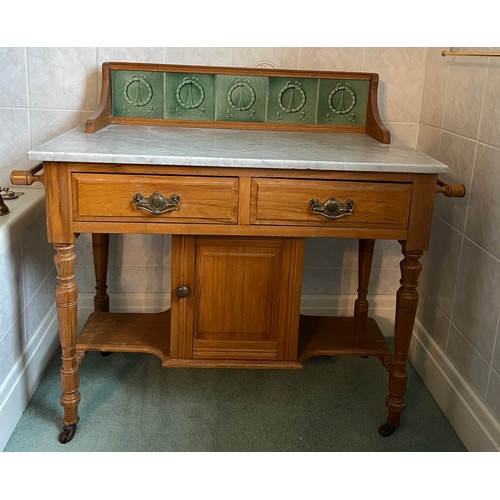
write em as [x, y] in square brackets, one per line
[365, 258]
[406, 308]
[100, 248]
[67, 300]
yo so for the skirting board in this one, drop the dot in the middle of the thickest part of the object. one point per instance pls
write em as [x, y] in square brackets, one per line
[23, 379]
[473, 422]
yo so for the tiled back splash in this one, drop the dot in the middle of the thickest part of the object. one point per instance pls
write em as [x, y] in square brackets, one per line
[237, 98]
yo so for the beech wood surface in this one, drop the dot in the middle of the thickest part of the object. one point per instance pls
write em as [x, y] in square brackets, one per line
[365, 258]
[280, 201]
[100, 249]
[333, 336]
[127, 332]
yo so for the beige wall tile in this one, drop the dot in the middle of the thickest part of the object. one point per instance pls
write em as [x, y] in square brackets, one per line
[209, 56]
[331, 58]
[281, 57]
[435, 322]
[458, 153]
[318, 281]
[404, 133]
[493, 395]
[440, 265]
[496, 356]
[122, 279]
[49, 123]
[436, 77]
[63, 78]
[401, 73]
[14, 141]
[14, 79]
[383, 281]
[483, 215]
[476, 307]
[130, 54]
[468, 361]
[489, 128]
[322, 252]
[464, 96]
[387, 253]
[429, 139]
[136, 249]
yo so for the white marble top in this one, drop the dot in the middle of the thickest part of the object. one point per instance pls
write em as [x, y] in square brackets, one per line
[235, 148]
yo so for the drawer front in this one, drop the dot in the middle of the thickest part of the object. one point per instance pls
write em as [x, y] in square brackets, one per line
[113, 197]
[288, 202]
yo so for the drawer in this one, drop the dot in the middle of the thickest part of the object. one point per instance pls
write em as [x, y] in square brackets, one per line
[113, 196]
[288, 202]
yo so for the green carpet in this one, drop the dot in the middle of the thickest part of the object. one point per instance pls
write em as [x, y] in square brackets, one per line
[130, 403]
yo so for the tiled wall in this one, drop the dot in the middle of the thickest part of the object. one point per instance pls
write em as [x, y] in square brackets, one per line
[460, 125]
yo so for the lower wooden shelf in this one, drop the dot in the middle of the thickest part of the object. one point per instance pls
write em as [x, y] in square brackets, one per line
[346, 336]
[127, 332]
[150, 333]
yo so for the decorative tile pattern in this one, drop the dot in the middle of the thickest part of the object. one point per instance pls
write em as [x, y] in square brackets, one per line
[239, 98]
[190, 96]
[137, 94]
[342, 102]
[292, 100]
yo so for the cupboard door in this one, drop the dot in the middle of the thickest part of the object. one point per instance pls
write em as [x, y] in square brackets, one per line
[246, 298]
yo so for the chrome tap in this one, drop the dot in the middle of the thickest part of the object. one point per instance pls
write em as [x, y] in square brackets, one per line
[7, 194]
[4, 209]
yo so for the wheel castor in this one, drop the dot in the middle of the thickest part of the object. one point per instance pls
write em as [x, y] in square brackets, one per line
[386, 430]
[67, 433]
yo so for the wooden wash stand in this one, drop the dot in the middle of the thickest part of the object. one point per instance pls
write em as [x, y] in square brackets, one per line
[239, 165]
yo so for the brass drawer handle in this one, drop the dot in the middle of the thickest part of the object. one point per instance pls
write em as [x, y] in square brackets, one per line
[332, 208]
[157, 203]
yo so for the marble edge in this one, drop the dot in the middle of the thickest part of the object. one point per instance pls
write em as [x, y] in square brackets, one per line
[201, 161]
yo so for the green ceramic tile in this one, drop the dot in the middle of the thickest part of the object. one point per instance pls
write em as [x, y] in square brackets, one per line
[137, 93]
[292, 100]
[241, 98]
[343, 102]
[190, 96]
